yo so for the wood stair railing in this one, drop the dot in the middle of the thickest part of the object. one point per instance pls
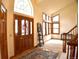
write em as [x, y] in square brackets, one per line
[70, 36]
[72, 52]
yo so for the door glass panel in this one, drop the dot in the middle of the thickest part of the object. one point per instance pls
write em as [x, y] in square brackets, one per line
[30, 27]
[23, 27]
[55, 25]
[27, 27]
[16, 26]
[55, 31]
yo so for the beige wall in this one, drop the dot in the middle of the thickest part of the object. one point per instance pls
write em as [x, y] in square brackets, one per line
[68, 18]
[9, 6]
[37, 18]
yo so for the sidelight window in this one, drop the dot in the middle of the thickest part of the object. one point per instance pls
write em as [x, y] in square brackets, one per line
[30, 27]
[27, 27]
[23, 27]
[16, 26]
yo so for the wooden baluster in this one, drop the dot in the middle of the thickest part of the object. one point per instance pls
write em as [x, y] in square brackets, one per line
[68, 52]
[77, 53]
[64, 42]
[71, 34]
[73, 51]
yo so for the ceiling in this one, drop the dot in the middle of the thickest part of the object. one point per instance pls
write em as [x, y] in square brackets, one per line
[51, 6]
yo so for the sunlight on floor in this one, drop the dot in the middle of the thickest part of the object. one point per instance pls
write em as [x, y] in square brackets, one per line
[55, 46]
[54, 41]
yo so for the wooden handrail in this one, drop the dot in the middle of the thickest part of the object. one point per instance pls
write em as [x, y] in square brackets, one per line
[71, 29]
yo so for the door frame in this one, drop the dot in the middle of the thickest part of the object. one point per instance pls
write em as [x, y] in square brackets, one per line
[4, 47]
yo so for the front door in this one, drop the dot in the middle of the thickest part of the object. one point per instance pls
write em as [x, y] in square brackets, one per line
[23, 33]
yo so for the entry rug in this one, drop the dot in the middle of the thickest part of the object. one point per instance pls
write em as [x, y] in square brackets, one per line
[40, 54]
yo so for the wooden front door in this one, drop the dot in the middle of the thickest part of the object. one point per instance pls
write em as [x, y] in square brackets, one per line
[23, 33]
[3, 33]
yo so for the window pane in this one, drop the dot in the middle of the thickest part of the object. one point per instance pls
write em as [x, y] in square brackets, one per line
[43, 16]
[55, 31]
[43, 28]
[47, 18]
[55, 25]
[30, 27]
[23, 6]
[27, 27]
[56, 19]
[16, 26]
[47, 28]
[23, 27]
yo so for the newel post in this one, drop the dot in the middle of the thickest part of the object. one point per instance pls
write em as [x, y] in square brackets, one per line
[64, 42]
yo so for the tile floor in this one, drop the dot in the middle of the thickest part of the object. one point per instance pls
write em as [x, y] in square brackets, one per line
[56, 46]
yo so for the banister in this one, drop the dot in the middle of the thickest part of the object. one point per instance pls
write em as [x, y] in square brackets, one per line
[72, 29]
[71, 34]
[72, 49]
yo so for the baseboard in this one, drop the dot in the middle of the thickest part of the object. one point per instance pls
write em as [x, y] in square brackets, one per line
[37, 45]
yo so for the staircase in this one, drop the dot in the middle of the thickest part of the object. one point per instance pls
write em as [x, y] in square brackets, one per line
[70, 40]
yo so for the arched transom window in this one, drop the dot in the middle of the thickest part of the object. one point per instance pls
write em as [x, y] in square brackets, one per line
[24, 7]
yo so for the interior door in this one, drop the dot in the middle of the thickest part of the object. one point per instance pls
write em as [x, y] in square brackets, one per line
[23, 33]
[3, 33]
